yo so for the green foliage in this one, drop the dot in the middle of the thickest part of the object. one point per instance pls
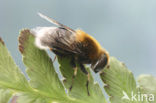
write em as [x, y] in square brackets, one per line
[5, 95]
[10, 75]
[45, 86]
[118, 79]
[147, 84]
[40, 69]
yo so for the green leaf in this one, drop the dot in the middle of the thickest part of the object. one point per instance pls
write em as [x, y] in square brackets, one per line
[119, 82]
[5, 95]
[40, 70]
[79, 90]
[147, 85]
[39, 66]
[31, 98]
[10, 75]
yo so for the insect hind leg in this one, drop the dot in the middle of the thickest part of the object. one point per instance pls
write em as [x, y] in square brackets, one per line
[83, 69]
[73, 64]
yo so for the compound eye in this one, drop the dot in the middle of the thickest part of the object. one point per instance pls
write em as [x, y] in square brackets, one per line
[100, 64]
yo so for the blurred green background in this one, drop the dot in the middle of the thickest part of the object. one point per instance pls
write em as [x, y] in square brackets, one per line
[126, 28]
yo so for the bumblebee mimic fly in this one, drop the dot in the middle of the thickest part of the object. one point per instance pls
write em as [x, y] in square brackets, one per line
[80, 46]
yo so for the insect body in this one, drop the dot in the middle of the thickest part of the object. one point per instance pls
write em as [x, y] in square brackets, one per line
[64, 41]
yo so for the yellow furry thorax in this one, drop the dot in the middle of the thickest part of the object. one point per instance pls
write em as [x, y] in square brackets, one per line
[81, 35]
[98, 50]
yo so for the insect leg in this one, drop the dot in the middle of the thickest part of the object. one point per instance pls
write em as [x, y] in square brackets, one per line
[54, 59]
[88, 77]
[73, 64]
